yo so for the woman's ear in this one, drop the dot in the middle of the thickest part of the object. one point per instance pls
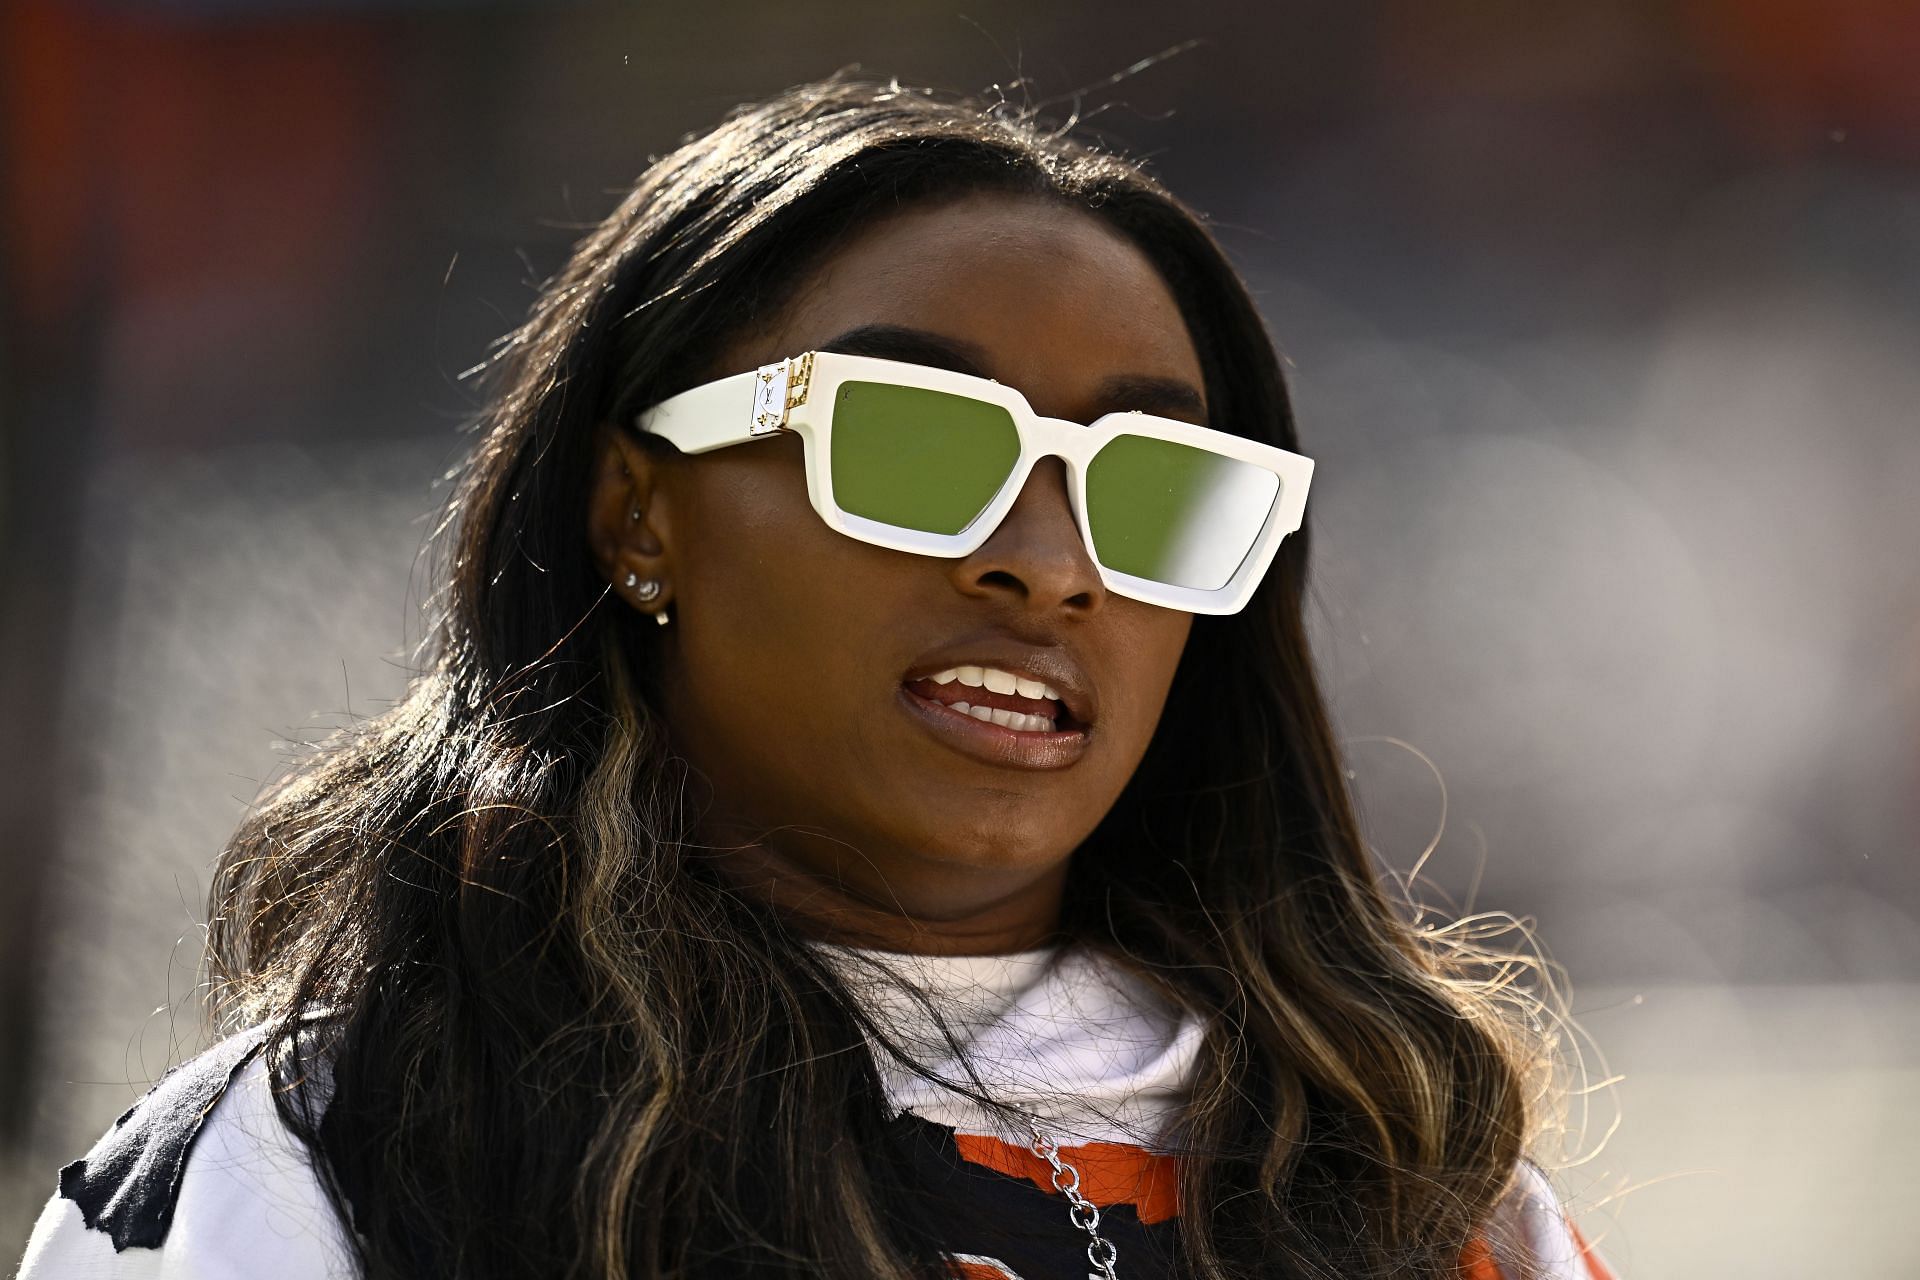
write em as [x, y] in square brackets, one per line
[627, 521]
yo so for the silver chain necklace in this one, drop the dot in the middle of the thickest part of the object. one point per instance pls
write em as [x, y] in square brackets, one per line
[1082, 1212]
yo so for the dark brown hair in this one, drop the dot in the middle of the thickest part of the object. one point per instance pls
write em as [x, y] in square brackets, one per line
[556, 1044]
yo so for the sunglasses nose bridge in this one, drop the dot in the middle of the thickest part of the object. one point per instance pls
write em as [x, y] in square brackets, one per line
[1065, 439]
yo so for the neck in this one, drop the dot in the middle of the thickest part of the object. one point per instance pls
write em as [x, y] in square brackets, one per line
[834, 894]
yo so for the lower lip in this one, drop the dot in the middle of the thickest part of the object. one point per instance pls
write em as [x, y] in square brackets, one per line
[996, 744]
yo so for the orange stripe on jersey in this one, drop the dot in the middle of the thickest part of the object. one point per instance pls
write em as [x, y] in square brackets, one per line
[1110, 1172]
[1596, 1269]
[1476, 1262]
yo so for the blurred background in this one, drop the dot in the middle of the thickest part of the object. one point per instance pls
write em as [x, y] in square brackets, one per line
[1604, 324]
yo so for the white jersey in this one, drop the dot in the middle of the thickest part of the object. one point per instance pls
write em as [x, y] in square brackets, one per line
[201, 1180]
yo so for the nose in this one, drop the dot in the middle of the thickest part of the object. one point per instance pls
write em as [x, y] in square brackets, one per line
[1036, 558]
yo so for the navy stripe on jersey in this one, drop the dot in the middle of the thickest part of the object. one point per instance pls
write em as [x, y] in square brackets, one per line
[128, 1184]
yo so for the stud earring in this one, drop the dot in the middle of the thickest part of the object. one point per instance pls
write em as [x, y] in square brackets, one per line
[646, 591]
[636, 513]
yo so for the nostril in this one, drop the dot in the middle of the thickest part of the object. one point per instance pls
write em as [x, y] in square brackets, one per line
[1001, 578]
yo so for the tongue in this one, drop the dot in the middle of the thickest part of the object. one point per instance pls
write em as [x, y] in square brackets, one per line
[953, 691]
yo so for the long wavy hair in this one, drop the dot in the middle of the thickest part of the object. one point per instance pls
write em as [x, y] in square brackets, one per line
[554, 1043]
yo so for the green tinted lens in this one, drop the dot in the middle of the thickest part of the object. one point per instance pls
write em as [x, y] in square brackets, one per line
[918, 459]
[1175, 513]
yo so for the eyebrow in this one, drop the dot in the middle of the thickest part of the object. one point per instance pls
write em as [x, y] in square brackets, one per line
[1167, 397]
[915, 346]
[1149, 394]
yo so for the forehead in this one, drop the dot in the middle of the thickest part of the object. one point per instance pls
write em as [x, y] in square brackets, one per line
[1056, 300]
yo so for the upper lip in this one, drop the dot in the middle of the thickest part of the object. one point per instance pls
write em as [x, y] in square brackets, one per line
[1049, 664]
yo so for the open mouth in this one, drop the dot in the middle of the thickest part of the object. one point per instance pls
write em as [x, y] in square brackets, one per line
[995, 696]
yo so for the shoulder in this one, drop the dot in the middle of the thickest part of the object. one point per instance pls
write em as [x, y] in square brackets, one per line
[201, 1178]
[1531, 1235]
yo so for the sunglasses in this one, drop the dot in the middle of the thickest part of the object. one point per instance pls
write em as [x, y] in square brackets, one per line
[926, 460]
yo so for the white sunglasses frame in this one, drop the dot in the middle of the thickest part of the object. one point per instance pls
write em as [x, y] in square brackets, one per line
[797, 395]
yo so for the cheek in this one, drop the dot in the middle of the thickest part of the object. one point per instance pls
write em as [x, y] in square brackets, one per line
[747, 540]
[756, 563]
[1154, 641]
[766, 597]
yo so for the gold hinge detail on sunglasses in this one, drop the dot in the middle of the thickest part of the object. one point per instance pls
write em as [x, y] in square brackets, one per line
[801, 380]
[777, 388]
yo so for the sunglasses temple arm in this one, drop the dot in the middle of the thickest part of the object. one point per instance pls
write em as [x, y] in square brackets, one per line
[707, 417]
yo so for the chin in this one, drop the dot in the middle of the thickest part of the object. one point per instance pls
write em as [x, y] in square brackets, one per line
[1001, 846]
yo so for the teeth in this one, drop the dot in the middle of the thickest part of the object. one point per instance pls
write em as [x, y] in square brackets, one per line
[1005, 719]
[998, 681]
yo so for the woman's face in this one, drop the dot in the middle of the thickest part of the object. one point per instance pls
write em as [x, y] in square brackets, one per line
[795, 666]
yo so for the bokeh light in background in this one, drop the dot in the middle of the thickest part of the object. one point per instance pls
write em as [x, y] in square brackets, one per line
[1603, 321]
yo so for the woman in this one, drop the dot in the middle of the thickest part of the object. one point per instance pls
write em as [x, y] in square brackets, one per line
[869, 811]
